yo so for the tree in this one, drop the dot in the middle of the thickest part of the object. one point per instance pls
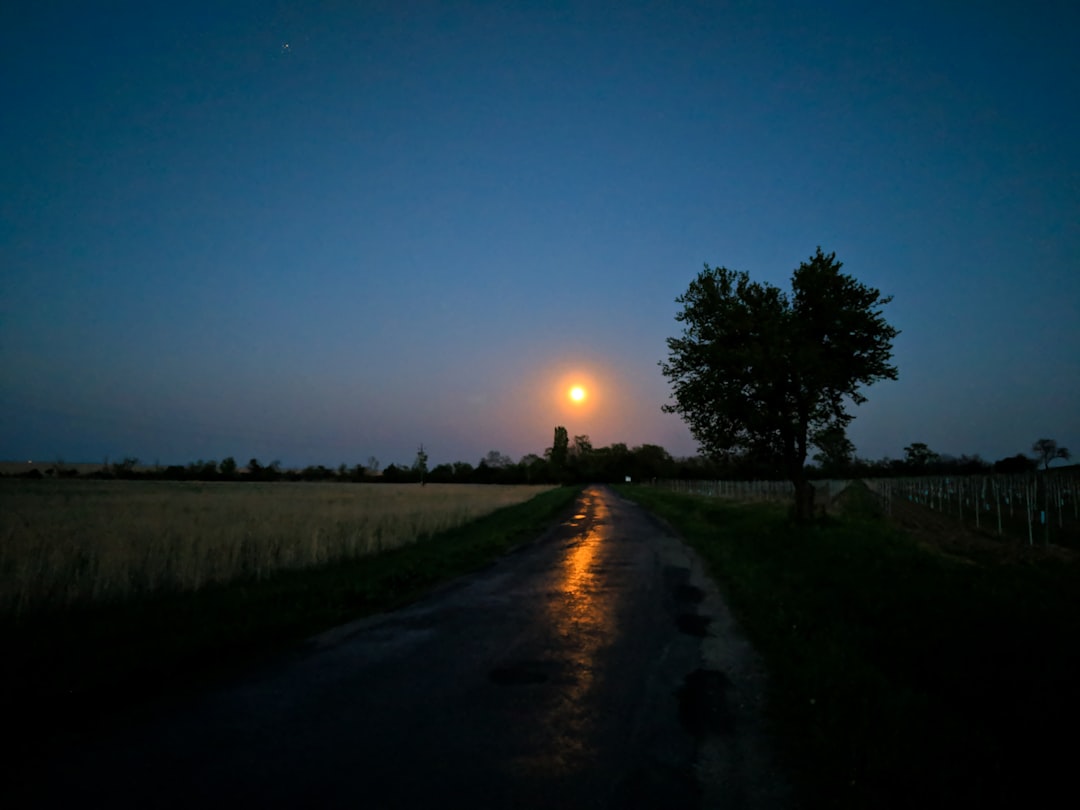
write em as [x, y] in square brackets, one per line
[496, 460]
[582, 446]
[560, 450]
[1015, 465]
[835, 450]
[420, 464]
[1046, 450]
[228, 467]
[919, 456]
[762, 372]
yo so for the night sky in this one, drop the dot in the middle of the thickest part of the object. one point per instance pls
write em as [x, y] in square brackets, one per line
[319, 232]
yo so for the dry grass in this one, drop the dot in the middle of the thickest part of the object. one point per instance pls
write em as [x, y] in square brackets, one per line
[69, 542]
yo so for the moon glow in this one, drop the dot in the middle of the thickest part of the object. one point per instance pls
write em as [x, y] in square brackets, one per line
[577, 393]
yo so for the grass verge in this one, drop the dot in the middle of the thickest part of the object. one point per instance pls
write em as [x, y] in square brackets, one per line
[75, 667]
[899, 677]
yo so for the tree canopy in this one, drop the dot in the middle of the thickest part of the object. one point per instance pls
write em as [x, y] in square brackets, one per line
[1047, 450]
[763, 372]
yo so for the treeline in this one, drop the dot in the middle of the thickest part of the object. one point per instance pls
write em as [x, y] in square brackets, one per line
[565, 462]
[837, 460]
[575, 461]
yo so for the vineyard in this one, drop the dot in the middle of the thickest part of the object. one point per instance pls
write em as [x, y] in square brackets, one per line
[1035, 508]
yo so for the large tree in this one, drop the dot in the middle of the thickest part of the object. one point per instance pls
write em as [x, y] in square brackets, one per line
[757, 370]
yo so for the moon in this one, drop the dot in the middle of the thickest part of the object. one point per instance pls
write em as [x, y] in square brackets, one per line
[577, 393]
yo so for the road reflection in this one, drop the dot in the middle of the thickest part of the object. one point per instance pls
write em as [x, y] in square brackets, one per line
[581, 609]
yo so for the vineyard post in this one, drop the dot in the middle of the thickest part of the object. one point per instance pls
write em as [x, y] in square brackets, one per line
[978, 500]
[997, 503]
[1046, 512]
[1029, 496]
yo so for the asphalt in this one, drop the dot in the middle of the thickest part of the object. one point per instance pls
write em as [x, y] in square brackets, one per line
[596, 667]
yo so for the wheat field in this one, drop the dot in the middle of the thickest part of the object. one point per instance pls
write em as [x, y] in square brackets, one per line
[64, 543]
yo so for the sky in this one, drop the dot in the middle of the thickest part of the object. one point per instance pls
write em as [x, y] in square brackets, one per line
[320, 232]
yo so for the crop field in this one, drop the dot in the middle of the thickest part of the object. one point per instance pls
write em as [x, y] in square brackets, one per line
[68, 543]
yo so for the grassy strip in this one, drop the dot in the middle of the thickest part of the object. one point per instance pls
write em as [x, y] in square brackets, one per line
[900, 677]
[68, 667]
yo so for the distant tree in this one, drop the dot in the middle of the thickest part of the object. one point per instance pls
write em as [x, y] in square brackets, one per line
[228, 467]
[582, 446]
[760, 371]
[372, 465]
[1015, 465]
[648, 461]
[463, 471]
[918, 456]
[1047, 450]
[125, 468]
[534, 469]
[559, 451]
[835, 450]
[442, 474]
[313, 472]
[496, 460]
[971, 465]
[419, 466]
[254, 468]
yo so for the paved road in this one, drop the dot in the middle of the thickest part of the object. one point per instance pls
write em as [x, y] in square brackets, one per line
[580, 671]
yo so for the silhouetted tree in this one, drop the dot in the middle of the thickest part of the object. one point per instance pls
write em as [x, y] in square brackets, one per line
[759, 371]
[228, 467]
[648, 461]
[1015, 465]
[559, 451]
[835, 451]
[496, 460]
[918, 456]
[419, 466]
[125, 468]
[1047, 450]
[441, 474]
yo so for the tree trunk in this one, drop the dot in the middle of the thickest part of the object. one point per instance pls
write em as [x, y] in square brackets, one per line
[804, 500]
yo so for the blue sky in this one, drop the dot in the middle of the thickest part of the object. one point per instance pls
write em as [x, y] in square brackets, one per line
[319, 232]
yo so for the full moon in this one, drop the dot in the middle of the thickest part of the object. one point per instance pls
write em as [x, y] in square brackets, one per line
[577, 393]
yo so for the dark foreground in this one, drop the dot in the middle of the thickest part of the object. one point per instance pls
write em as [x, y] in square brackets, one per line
[580, 671]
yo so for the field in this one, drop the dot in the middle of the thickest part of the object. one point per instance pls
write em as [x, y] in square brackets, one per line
[71, 543]
[72, 667]
[907, 669]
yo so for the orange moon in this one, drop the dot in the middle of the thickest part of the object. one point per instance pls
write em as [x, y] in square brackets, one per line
[577, 393]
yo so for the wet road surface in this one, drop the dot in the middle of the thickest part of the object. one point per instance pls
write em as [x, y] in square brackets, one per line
[595, 667]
